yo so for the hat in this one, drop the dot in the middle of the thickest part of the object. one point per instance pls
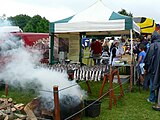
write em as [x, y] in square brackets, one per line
[106, 39]
[155, 36]
[157, 26]
[115, 41]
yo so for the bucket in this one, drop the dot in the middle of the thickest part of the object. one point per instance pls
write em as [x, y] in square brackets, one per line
[93, 110]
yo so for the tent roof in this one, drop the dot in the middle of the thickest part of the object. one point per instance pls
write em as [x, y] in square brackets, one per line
[96, 12]
[97, 17]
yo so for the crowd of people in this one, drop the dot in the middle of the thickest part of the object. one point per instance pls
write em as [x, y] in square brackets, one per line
[147, 59]
[148, 66]
[111, 48]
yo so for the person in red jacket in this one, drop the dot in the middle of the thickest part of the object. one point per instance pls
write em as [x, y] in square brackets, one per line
[96, 50]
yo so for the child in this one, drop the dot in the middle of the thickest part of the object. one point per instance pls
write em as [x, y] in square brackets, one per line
[140, 63]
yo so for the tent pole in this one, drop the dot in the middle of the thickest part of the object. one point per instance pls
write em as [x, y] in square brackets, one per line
[131, 36]
[131, 67]
[51, 51]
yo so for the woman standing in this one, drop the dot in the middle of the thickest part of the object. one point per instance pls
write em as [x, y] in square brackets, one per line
[114, 53]
[105, 47]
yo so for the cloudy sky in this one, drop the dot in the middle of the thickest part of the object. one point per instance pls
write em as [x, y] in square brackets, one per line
[57, 9]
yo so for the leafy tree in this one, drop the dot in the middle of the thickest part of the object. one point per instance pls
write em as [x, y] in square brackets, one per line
[29, 24]
[37, 24]
[32, 24]
[20, 20]
[124, 12]
[29, 27]
[43, 26]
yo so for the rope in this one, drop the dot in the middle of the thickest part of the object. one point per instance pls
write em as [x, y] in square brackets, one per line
[70, 86]
[46, 91]
[87, 106]
[96, 100]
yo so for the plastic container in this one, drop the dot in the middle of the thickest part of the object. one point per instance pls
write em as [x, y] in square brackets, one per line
[93, 110]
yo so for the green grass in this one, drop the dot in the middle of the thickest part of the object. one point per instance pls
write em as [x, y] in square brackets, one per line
[18, 96]
[132, 106]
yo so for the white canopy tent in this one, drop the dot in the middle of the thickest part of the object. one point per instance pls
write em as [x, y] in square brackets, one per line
[97, 19]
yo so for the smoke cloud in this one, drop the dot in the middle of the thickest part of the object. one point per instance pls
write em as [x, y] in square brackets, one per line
[22, 69]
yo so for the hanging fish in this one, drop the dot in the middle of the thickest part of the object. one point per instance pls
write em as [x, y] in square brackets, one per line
[96, 75]
[90, 74]
[61, 69]
[80, 76]
[104, 68]
[99, 75]
[87, 75]
[75, 73]
[93, 74]
[83, 74]
[58, 69]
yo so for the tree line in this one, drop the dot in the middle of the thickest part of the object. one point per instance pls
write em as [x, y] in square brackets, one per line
[35, 24]
[38, 24]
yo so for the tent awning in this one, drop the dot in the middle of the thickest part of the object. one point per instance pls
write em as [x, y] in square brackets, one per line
[112, 25]
[97, 17]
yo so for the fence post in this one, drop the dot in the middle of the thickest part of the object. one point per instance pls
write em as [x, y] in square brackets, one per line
[56, 103]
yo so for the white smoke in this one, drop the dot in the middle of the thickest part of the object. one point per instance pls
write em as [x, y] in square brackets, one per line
[22, 69]
[4, 22]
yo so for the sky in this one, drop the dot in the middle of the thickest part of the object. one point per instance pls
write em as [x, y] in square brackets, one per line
[54, 10]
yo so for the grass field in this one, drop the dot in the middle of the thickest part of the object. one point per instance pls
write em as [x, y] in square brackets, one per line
[133, 106]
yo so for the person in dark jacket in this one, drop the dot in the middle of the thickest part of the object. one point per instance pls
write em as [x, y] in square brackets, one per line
[115, 54]
[156, 71]
[155, 34]
[152, 66]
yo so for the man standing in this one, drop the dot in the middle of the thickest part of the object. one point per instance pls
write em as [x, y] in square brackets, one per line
[96, 49]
